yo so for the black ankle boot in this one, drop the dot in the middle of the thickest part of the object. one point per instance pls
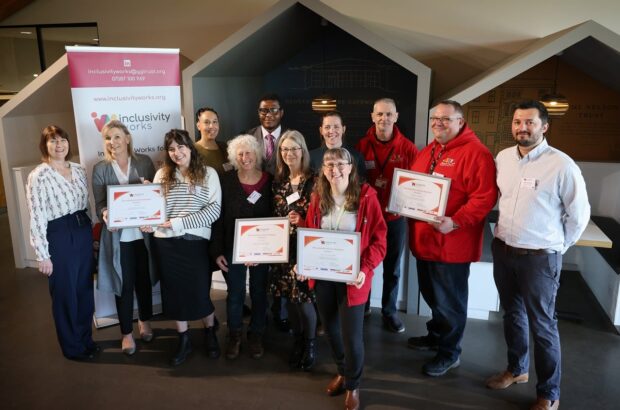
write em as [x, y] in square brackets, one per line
[309, 356]
[298, 351]
[211, 345]
[183, 349]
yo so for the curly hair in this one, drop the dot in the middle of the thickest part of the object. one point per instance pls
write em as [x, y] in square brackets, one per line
[282, 170]
[324, 189]
[244, 140]
[196, 170]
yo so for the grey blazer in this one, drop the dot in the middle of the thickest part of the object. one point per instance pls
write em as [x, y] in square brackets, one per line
[110, 277]
[269, 166]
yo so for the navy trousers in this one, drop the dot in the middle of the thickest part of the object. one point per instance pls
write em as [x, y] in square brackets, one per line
[527, 286]
[444, 287]
[71, 282]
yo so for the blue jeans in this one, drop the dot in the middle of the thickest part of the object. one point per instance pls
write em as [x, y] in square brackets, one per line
[527, 286]
[444, 287]
[396, 233]
[235, 281]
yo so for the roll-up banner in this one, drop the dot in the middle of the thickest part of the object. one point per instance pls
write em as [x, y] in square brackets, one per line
[141, 87]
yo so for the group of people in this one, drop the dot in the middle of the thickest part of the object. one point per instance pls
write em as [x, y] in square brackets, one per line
[543, 209]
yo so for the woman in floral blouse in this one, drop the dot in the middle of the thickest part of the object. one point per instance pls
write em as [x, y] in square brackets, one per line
[293, 183]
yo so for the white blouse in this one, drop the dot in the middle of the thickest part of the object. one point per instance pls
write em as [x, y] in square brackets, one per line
[51, 196]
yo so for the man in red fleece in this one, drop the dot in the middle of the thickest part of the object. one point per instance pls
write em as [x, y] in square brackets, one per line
[445, 249]
[384, 148]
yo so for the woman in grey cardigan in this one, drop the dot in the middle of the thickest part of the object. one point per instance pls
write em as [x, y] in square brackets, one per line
[125, 259]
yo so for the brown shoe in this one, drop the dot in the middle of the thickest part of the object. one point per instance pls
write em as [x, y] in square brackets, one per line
[352, 400]
[544, 404]
[233, 344]
[336, 386]
[505, 379]
[255, 345]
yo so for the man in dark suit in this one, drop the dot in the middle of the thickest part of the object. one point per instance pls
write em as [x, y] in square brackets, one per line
[270, 115]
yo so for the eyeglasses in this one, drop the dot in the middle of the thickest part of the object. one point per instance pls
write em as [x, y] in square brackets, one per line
[339, 165]
[272, 111]
[291, 150]
[444, 120]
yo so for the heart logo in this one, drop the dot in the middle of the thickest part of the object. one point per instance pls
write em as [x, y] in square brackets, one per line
[101, 121]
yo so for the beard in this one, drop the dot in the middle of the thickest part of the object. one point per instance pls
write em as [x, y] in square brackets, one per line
[529, 141]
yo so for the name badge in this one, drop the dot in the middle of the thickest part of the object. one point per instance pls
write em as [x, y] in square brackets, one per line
[292, 198]
[194, 189]
[528, 183]
[437, 174]
[227, 166]
[254, 196]
[370, 164]
[381, 182]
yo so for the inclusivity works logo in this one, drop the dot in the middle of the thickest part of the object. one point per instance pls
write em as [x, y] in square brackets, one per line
[133, 122]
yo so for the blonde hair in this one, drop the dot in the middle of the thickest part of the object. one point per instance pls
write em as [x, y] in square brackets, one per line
[117, 124]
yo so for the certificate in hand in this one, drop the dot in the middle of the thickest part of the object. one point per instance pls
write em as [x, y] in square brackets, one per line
[418, 196]
[261, 240]
[134, 205]
[328, 255]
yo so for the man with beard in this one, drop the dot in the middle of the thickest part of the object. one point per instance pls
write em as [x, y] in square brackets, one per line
[543, 210]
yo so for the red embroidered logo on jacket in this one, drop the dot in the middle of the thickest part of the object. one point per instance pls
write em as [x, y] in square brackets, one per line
[448, 162]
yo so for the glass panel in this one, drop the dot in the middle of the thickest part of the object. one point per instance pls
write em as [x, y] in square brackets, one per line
[20, 58]
[54, 40]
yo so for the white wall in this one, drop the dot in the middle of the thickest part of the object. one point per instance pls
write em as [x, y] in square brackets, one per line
[603, 185]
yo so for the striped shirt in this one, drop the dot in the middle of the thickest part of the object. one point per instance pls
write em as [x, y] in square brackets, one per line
[191, 209]
[51, 196]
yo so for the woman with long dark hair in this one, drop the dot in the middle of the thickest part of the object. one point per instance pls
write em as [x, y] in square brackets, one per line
[193, 202]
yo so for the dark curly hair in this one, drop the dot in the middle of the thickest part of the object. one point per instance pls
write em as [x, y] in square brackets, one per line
[196, 171]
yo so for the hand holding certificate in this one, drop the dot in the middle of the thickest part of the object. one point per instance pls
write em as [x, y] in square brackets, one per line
[328, 255]
[261, 240]
[135, 205]
[418, 196]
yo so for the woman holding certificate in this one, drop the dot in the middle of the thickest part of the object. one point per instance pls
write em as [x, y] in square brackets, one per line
[246, 193]
[61, 235]
[341, 204]
[193, 202]
[125, 262]
[292, 186]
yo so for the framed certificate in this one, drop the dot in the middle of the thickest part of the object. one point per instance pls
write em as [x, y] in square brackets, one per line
[418, 196]
[261, 240]
[328, 255]
[134, 205]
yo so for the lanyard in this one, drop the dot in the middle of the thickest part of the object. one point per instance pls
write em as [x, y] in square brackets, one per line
[435, 160]
[331, 226]
[381, 166]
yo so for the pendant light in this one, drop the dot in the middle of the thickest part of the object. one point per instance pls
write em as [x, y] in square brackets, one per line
[557, 105]
[324, 102]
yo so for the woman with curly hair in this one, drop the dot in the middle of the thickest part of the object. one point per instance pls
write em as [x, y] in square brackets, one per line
[193, 202]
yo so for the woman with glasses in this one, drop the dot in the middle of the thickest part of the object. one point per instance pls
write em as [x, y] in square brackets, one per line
[61, 235]
[193, 202]
[292, 186]
[340, 203]
[212, 152]
[125, 257]
[246, 193]
[332, 130]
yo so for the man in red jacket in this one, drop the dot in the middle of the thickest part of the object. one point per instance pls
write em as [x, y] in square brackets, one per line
[384, 148]
[444, 249]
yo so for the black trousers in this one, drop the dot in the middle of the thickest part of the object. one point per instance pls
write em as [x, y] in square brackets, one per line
[135, 267]
[344, 326]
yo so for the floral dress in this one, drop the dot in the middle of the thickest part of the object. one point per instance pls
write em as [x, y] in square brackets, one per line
[283, 281]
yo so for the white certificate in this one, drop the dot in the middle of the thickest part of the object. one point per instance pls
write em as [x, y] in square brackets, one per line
[261, 240]
[134, 205]
[328, 255]
[419, 196]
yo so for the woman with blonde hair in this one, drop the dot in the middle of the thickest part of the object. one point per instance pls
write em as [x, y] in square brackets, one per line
[125, 256]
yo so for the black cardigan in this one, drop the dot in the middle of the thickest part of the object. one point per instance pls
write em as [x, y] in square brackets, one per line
[235, 205]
